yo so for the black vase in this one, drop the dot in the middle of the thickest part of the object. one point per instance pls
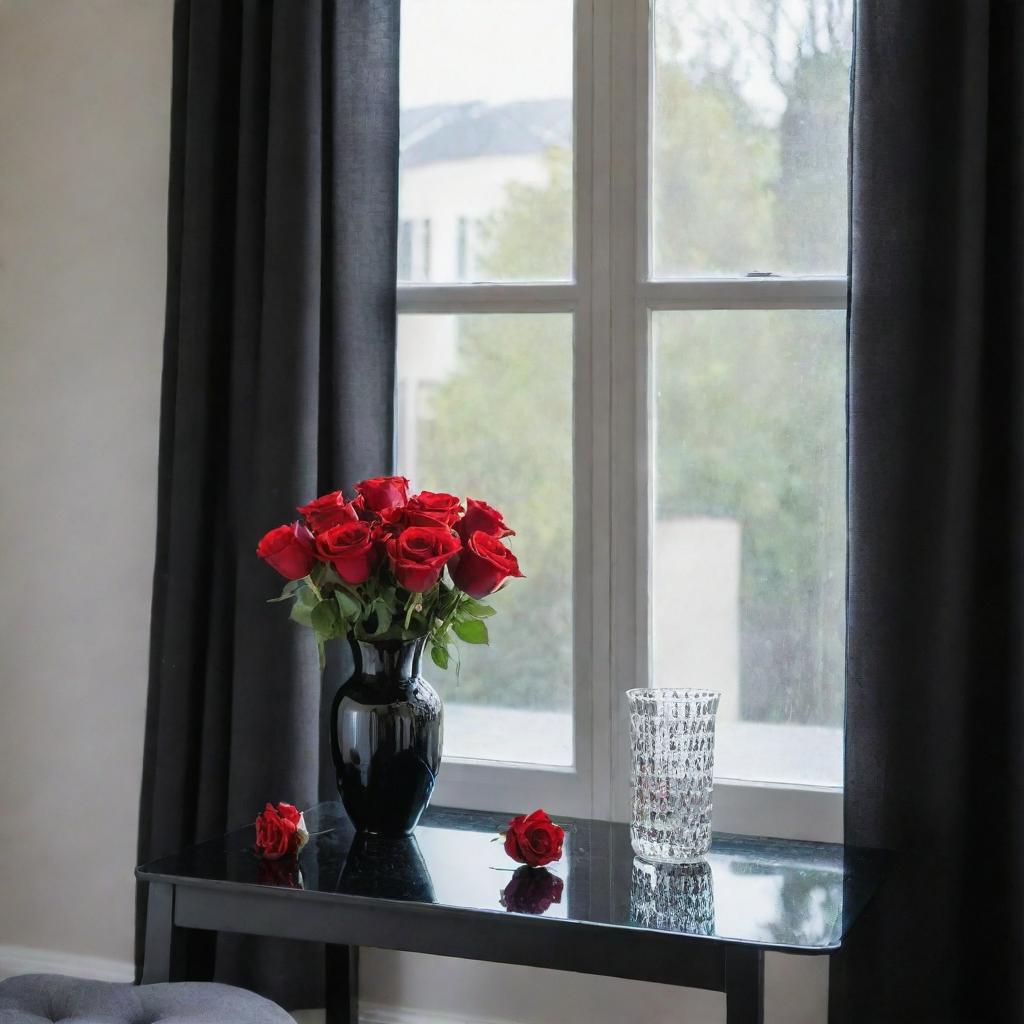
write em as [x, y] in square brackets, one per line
[386, 735]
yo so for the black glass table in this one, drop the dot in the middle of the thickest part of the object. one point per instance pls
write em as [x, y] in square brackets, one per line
[452, 891]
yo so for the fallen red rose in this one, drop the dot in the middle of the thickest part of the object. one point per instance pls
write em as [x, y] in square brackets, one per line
[534, 839]
[280, 831]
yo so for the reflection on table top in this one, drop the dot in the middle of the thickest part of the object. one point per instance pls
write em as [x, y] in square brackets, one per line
[782, 894]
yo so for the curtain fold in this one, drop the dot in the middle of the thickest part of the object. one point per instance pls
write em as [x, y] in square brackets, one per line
[935, 687]
[278, 385]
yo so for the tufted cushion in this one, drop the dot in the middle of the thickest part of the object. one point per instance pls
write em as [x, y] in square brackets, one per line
[44, 998]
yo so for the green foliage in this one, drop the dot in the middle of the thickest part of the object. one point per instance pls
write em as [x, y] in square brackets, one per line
[381, 610]
[473, 631]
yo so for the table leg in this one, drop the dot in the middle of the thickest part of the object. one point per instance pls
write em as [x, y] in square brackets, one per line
[165, 943]
[744, 985]
[341, 975]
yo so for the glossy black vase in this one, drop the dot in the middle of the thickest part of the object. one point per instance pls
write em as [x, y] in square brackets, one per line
[386, 735]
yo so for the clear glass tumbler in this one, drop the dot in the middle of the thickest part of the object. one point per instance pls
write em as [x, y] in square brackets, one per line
[672, 735]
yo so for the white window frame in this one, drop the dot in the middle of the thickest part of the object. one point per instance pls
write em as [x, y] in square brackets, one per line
[611, 298]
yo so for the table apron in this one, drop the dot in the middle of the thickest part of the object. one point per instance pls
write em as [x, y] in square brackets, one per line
[532, 942]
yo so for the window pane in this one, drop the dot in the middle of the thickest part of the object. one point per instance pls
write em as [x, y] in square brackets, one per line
[750, 122]
[485, 411]
[750, 528]
[486, 164]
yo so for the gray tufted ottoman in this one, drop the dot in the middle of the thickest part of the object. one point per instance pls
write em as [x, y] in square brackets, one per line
[45, 998]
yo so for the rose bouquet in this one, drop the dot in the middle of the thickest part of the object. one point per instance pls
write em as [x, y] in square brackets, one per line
[374, 566]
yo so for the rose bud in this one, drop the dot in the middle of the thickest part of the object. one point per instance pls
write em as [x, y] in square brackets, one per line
[381, 492]
[418, 556]
[280, 831]
[485, 563]
[351, 549]
[430, 508]
[481, 516]
[289, 550]
[330, 510]
[531, 891]
[534, 839]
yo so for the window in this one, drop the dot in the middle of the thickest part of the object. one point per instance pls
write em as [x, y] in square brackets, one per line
[627, 328]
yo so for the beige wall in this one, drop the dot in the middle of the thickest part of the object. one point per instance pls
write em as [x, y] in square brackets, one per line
[84, 96]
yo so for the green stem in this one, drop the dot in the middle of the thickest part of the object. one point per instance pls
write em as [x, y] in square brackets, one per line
[448, 619]
[410, 605]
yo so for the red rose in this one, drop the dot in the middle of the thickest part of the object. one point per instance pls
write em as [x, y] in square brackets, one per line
[429, 508]
[350, 548]
[531, 891]
[534, 839]
[280, 831]
[481, 516]
[418, 556]
[290, 813]
[289, 550]
[383, 492]
[330, 510]
[391, 521]
[485, 563]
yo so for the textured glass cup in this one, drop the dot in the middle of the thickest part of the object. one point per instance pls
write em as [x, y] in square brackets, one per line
[672, 735]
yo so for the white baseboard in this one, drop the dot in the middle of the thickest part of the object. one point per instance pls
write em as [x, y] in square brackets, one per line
[378, 1013]
[16, 960]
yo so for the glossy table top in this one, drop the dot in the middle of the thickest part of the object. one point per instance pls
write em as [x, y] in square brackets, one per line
[776, 894]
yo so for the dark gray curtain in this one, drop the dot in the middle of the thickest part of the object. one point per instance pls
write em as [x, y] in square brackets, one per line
[278, 385]
[935, 690]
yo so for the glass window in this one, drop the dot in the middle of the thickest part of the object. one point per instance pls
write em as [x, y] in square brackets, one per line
[750, 532]
[733, 373]
[486, 133]
[750, 124]
[476, 418]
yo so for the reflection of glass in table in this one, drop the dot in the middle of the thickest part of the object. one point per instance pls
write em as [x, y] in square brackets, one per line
[444, 892]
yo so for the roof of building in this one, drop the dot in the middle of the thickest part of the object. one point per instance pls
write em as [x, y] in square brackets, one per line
[462, 131]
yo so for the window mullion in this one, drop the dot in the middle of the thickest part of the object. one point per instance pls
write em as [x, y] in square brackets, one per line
[746, 293]
[489, 298]
[629, 476]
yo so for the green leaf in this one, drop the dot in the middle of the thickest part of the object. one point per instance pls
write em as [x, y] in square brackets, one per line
[350, 607]
[289, 591]
[383, 610]
[439, 656]
[324, 619]
[301, 613]
[472, 631]
[481, 611]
